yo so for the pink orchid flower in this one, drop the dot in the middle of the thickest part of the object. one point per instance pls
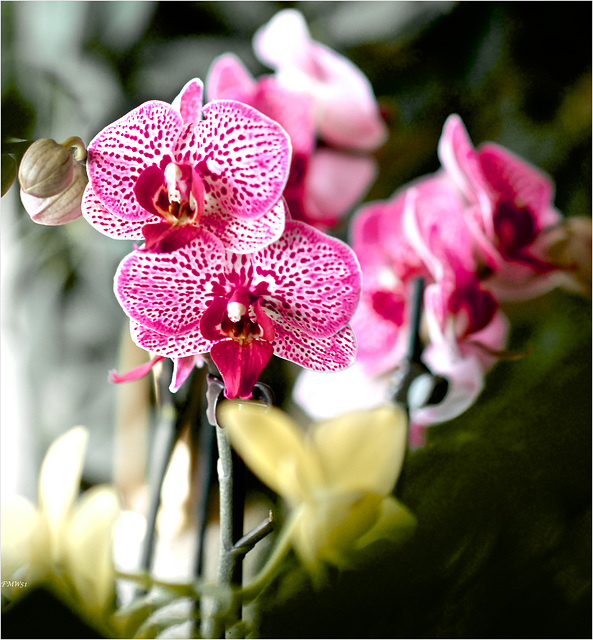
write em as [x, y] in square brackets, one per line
[324, 183]
[420, 232]
[346, 111]
[163, 172]
[509, 203]
[293, 298]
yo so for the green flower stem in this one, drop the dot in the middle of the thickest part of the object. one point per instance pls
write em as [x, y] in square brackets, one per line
[232, 501]
[270, 569]
[249, 540]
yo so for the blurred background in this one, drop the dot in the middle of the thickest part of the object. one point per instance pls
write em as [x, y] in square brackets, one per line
[503, 493]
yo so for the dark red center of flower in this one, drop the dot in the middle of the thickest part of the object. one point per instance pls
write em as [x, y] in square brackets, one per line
[477, 307]
[173, 191]
[243, 335]
[515, 228]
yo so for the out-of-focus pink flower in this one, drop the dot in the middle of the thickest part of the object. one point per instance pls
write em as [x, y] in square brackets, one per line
[164, 172]
[420, 232]
[293, 298]
[324, 182]
[508, 204]
[346, 111]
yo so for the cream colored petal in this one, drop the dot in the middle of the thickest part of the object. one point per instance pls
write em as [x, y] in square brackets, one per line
[395, 524]
[363, 450]
[24, 543]
[19, 518]
[273, 447]
[59, 478]
[330, 526]
[88, 556]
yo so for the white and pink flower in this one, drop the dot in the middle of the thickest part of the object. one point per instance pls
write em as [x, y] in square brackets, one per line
[508, 204]
[327, 106]
[294, 298]
[420, 233]
[163, 172]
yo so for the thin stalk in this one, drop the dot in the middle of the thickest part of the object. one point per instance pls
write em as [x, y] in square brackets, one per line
[204, 482]
[165, 436]
[411, 365]
[232, 502]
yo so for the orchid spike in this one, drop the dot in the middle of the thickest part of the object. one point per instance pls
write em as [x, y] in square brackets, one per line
[337, 479]
[163, 173]
[293, 298]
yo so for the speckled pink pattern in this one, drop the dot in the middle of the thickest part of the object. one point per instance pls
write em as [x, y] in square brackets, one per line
[184, 345]
[308, 285]
[119, 154]
[246, 236]
[109, 224]
[168, 292]
[189, 101]
[313, 280]
[243, 156]
[242, 159]
[333, 353]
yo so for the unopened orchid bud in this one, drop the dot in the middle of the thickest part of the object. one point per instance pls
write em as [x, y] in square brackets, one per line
[567, 247]
[47, 167]
[53, 179]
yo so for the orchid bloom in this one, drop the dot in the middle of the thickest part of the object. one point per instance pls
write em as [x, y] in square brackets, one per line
[509, 203]
[346, 111]
[293, 298]
[324, 182]
[64, 538]
[337, 478]
[163, 172]
[420, 232]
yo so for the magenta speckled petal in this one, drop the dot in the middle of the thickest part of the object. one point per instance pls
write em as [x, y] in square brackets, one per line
[333, 353]
[313, 280]
[182, 346]
[168, 292]
[118, 155]
[247, 236]
[107, 223]
[189, 101]
[243, 157]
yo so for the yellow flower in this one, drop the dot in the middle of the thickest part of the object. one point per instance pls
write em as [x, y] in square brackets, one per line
[65, 539]
[337, 478]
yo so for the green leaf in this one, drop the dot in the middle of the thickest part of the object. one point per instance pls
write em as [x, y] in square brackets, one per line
[8, 172]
